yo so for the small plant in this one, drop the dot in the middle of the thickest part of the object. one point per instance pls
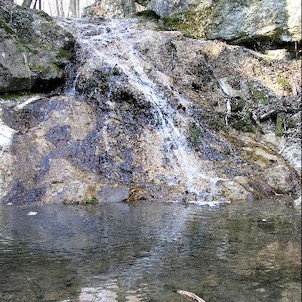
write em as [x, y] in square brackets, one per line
[279, 124]
[195, 134]
[258, 95]
[284, 83]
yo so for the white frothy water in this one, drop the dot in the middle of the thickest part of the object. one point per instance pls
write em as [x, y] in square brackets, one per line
[112, 43]
[6, 136]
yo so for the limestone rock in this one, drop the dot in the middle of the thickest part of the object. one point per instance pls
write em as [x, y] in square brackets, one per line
[280, 179]
[34, 50]
[274, 20]
[112, 8]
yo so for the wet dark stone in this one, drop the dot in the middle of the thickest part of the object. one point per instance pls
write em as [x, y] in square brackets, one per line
[59, 134]
[19, 194]
[34, 114]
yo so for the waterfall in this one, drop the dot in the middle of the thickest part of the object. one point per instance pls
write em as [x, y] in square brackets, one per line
[113, 43]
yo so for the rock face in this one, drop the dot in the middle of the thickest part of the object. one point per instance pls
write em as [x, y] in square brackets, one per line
[147, 116]
[33, 51]
[237, 21]
[112, 8]
[269, 22]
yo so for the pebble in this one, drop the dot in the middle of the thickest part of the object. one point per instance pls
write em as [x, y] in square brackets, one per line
[32, 213]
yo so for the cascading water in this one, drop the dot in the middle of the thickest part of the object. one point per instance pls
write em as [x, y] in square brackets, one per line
[112, 44]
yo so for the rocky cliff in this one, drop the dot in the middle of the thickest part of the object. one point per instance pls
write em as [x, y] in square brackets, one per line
[261, 25]
[148, 114]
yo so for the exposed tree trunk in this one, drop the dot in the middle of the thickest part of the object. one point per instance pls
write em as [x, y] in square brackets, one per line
[38, 3]
[50, 8]
[74, 8]
[26, 3]
[57, 8]
[61, 9]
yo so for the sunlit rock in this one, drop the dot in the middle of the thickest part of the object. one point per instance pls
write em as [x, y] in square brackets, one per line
[144, 117]
[237, 21]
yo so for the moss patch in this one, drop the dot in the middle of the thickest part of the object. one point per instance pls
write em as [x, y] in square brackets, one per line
[284, 83]
[37, 68]
[258, 95]
[191, 23]
[279, 126]
[6, 27]
[195, 134]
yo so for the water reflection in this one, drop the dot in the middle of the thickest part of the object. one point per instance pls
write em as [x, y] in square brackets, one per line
[114, 252]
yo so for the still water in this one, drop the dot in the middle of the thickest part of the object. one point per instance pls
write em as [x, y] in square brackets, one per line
[115, 252]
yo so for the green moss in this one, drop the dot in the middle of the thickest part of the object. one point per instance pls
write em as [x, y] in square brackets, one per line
[238, 105]
[54, 68]
[196, 133]
[284, 83]
[244, 124]
[6, 27]
[191, 23]
[258, 95]
[21, 47]
[65, 53]
[215, 121]
[37, 68]
[279, 124]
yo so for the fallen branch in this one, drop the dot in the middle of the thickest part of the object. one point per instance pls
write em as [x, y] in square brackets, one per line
[268, 114]
[190, 296]
[28, 101]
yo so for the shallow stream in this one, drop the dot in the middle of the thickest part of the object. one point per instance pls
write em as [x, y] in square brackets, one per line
[115, 252]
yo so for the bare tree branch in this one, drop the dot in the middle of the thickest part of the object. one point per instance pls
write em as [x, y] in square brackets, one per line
[190, 296]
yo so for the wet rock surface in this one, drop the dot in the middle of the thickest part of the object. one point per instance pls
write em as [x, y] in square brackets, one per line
[34, 51]
[145, 117]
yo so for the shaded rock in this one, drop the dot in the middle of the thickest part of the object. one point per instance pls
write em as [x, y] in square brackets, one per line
[34, 51]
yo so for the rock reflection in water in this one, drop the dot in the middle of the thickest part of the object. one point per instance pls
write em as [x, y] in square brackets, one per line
[114, 252]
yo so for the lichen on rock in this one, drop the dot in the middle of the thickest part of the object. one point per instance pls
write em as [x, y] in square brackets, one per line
[34, 52]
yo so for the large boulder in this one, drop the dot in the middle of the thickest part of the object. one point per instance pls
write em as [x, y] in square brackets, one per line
[271, 21]
[241, 21]
[34, 50]
[112, 8]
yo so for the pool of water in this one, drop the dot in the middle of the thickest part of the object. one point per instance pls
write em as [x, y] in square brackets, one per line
[115, 252]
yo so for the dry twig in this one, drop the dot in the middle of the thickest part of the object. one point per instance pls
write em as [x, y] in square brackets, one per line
[190, 296]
